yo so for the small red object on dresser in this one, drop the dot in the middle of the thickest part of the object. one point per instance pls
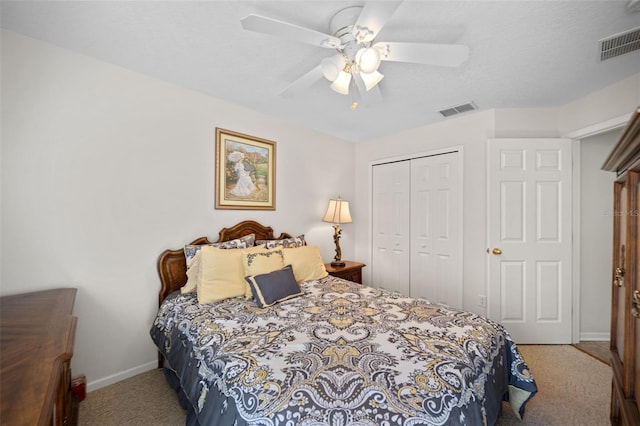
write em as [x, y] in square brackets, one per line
[79, 387]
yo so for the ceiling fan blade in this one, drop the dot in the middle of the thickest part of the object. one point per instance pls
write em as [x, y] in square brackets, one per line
[372, 18]
[303, 82]
[446, 55]
[262, 24]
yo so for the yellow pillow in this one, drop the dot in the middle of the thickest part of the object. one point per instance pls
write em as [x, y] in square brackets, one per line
[193, 265]
[221, 275]
[306, 262]
[258, 261]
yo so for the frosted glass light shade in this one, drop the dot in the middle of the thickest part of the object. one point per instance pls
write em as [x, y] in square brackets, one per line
[368, 59]
[337, 212]
[341, 85]
[332, 66]
[370, 80]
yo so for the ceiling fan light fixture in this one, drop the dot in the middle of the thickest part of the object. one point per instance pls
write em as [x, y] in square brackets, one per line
[341, 84]
[332, 66]
[354, 29]
[368, 59]
[370, 80]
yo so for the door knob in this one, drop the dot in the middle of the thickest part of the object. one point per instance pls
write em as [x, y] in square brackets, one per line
[496, 251]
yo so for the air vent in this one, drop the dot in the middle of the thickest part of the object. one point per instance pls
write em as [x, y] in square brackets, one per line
[448, 112]
[619, 44]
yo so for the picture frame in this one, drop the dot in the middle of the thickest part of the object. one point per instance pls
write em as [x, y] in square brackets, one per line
[245, 177]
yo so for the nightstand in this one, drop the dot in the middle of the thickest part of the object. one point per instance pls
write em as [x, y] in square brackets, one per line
[351, 271]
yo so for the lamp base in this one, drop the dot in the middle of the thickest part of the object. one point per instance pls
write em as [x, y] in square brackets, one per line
[339, 263]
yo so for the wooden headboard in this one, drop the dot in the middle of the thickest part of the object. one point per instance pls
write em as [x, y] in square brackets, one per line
[172, 266]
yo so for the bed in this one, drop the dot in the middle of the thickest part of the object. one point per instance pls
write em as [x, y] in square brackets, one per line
[333, 353]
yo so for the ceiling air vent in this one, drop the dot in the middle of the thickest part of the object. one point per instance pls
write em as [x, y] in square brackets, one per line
[619, 44]
[448, 112]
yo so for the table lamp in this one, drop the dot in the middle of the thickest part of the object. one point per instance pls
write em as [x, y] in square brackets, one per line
[337, 213]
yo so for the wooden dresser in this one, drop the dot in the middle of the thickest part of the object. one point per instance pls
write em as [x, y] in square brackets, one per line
[37, 332]
[624, 160]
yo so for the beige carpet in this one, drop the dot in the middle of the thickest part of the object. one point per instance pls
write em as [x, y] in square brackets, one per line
[145, 399]
[597, 349]
[573, 389]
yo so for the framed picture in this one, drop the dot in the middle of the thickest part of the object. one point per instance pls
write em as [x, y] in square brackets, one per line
[245, 172]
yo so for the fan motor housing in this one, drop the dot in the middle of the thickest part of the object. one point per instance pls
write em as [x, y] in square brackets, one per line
[341, 26]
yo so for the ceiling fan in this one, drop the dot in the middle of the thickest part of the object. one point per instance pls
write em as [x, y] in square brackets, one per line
[355, 66]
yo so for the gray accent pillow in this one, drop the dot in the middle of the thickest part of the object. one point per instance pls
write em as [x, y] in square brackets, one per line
[274, 287]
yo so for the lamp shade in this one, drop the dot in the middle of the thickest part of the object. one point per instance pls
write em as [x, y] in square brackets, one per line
[371, 80]
[368, 59]
[337, 212]
[332, 66]
[341, 84]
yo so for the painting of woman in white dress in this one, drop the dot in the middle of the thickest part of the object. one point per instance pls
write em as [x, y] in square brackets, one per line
[244, 185]
[246, 171]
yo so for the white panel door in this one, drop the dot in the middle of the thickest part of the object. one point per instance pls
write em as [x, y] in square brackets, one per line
[530, 238]
[436, 273]
[390, 222]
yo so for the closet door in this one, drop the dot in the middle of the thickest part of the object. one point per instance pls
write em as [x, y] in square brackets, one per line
[390, 226]
[436, 274]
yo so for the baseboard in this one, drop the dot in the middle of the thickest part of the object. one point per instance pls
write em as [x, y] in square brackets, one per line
[594, 337]
[118, 377]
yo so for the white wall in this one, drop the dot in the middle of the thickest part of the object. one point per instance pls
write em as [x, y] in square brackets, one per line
[469, 131]
[103, 168]
[596, 235]
[613, 101]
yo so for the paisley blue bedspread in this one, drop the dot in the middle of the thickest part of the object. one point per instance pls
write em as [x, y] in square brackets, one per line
[341, 354]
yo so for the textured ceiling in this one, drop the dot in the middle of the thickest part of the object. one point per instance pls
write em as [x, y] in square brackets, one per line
[522, 53]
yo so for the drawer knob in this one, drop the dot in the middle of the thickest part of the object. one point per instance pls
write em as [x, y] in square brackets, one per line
[635, 303]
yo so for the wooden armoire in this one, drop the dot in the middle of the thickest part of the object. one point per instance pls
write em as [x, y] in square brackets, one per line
[624, 160]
